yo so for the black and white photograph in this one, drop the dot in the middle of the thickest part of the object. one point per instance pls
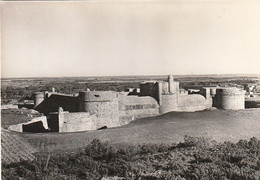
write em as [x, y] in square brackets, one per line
[130, 90]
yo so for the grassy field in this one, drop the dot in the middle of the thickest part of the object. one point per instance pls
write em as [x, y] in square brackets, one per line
[168, 128]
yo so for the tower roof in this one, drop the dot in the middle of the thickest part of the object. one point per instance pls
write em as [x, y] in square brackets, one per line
[170, 77]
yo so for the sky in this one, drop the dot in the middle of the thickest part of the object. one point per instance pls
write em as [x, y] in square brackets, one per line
[101, 38]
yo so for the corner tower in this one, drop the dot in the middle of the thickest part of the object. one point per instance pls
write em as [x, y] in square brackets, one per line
[38, 97]
[229, 98]
[169, 95]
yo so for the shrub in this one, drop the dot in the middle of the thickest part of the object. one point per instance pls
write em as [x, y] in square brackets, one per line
[195, 158]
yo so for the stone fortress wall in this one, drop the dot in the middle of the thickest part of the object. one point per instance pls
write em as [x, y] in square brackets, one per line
[132, 107]
[63, 121]
[170, 98]
[92, 110]
[52, 101]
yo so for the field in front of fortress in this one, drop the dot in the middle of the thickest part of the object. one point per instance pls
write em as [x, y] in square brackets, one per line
[168, 128]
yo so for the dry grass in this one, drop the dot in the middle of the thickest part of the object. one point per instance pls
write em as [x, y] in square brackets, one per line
[168, 128]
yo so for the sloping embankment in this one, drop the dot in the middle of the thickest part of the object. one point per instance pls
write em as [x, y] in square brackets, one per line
[168, 128]
[14, 148]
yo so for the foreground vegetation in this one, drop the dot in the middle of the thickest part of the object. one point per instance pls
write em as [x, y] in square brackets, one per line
[195, 158]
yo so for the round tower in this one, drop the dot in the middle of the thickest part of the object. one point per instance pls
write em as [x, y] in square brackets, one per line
[169, 102]
[229, 98]
[104, 104]
[38, 97]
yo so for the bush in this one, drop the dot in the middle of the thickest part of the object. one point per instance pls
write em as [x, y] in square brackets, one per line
[100, 151]
[195, 158]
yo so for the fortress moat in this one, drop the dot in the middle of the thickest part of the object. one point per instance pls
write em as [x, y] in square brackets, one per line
[93, 110]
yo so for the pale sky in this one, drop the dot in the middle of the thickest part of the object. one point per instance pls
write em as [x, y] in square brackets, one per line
[43, 39]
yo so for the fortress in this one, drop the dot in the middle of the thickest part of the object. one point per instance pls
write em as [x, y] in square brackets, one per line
[93, 110]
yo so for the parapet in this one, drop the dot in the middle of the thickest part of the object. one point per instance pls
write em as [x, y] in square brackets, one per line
[38, 94]
[208, 92]
[98, 96]
[229, 91]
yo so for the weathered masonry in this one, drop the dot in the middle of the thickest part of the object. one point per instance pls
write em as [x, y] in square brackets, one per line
[92, 110]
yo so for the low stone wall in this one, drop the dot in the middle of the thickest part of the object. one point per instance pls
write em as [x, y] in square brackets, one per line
[16, 127]
[37, 121]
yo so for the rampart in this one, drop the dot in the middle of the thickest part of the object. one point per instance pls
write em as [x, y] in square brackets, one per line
[52, 101]
[192, 102]
[91, 110]
[133, 107]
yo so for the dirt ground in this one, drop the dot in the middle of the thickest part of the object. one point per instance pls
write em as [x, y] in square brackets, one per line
[168, 128]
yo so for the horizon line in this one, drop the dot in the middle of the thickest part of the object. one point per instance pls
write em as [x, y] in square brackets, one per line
[193, 74]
